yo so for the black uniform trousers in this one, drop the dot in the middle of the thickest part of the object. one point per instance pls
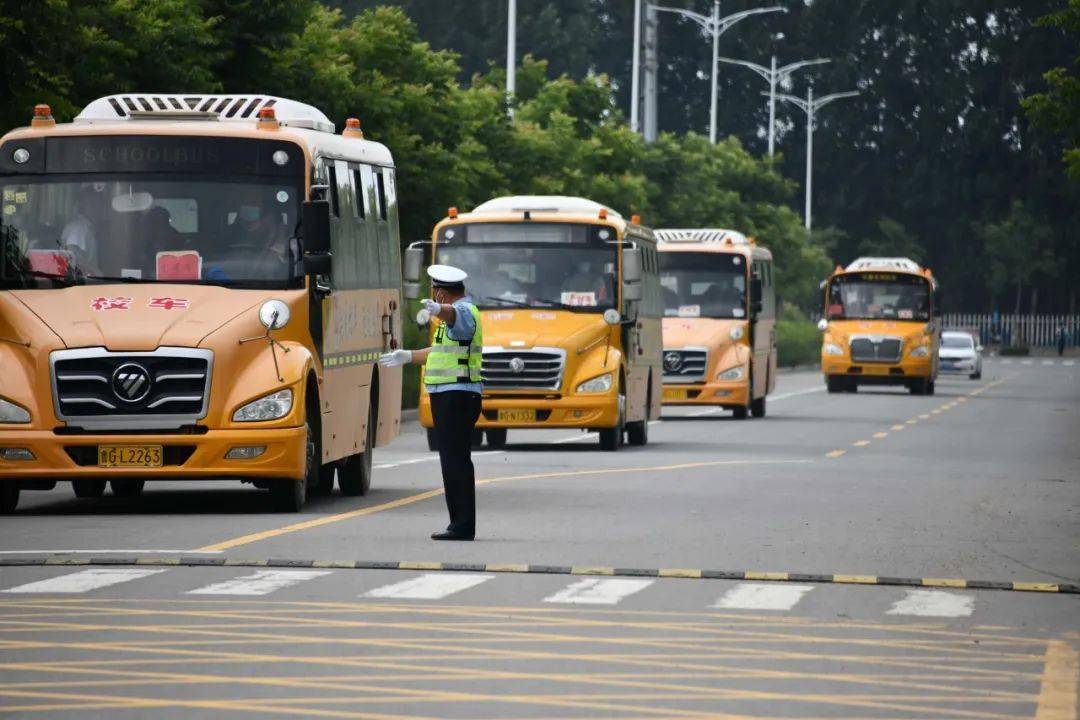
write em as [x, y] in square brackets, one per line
[455, 413]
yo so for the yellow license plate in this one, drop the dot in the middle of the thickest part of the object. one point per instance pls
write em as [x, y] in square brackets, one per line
[675, 394]
[119, 456]
[517, 416]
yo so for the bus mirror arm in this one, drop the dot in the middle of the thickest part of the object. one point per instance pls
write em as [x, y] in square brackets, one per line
[315, 226]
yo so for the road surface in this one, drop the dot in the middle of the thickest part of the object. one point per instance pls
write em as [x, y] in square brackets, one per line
[834, 559]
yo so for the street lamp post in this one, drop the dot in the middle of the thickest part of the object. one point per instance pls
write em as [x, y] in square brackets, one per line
[511, 53]
[774, 76]
[810, 106]
[716, 26]
[635, 73]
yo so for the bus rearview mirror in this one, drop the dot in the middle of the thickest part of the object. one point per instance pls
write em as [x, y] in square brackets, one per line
[320, 264]
[315, 226]
[632, 291]
[411, 290]
[822, 324]
[631, 265]
[414, 264]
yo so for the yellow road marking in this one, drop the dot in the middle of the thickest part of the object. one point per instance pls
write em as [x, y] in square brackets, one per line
[856, 579]
[911, 422]
[944, 582]
[897, 427]
[428, 494]
[835, 453]
[1035, 586]
[861, 443]
[679, 573]
[880, 435]
[420, 565]
[1060, 682]
[751, 575]
[592, 570]
[507, 567]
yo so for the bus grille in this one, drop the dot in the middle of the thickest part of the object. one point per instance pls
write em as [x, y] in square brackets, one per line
[683, 365]
[876, 349]
[166, 388]
[535, 369]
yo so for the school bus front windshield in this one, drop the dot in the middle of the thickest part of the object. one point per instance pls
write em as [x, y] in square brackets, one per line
[701, 284]
[563, 266]
[879, 296]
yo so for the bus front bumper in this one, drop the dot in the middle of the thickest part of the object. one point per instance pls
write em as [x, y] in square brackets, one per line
[731, 394]
[879, 373]
[576, 411]
[185, 457]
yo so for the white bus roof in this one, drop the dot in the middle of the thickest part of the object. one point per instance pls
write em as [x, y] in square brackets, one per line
[223, 108]
[542, 204]
[884, 263]
[701, 235]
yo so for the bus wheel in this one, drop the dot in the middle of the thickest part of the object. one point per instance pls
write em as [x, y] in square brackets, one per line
[496, 438]
[740, 413]
[612, 438]
[354, 476]
[432, 440]
[757, 407]
[918, 387]
[127, 488]
[834, 383]
[88, 488]
[9, 496]
[637, 433]
[930, 387]
[290, 495]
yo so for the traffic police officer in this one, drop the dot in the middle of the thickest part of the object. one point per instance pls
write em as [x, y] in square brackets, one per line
[452, 379]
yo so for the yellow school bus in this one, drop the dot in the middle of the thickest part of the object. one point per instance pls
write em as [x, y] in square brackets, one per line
[882, 326]
[719, 320]
[195, 287]
[570, 303]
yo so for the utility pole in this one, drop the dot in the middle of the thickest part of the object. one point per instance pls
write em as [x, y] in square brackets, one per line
[715, 26]
[651, 84]
[635, 72]
[810, 106]
[774, 76]
[511, 53]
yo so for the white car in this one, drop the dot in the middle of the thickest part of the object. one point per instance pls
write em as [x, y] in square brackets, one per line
[960, 354]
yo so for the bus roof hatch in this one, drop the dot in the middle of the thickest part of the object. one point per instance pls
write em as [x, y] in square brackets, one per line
[224, 108]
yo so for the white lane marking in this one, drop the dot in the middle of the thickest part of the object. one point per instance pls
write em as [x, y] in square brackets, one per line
[85, 580]
[762, 596]
[1006, 362]
[1047, 362]
[262, 582]
[595, 591]
[431, 586]
[933, 603]
[110, 552]
[1069, 363]
[1025, 362]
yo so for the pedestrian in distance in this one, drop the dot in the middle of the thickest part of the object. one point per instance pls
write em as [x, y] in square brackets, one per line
[1062, 339]
[452, 380]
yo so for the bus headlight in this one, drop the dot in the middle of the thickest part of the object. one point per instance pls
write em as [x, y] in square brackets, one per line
[832, 348]
[735, 373]
[599, 384]
[921, 351]
[736, 333]
[271, 407]
[12, 413]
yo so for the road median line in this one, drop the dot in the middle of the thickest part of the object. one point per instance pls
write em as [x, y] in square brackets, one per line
[681, 573]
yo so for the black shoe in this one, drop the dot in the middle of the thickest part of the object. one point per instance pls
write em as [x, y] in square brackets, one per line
[450, 535]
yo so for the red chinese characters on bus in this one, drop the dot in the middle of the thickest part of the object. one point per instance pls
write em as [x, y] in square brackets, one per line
[111, 303]
[168, 303]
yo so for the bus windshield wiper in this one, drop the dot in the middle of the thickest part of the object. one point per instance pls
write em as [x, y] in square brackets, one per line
[108, 279]
[508, 301]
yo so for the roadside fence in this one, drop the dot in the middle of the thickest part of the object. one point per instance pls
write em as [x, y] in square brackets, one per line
[1006, 330]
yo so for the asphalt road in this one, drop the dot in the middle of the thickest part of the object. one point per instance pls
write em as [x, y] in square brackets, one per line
[816, 563]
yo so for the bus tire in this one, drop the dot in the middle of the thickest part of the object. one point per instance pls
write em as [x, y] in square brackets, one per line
[757, 407]
[127, 487]
[289, 495]
[918, 387]
[496, 438]
[637, 433]
[88, 487]
[930, 387]
[740, 413]
[432, 440]
[612, 438]
[834, 383]
[9, 496]
[354, 475]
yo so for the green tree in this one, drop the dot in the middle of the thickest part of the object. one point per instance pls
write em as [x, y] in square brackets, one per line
[1058, 109]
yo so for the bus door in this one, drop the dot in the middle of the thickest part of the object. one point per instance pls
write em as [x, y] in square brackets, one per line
[762, 329]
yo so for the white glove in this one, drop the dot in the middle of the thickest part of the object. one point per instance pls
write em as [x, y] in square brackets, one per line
[396, 358]
[431, 306]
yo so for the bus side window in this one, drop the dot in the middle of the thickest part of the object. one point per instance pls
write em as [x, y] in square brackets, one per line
[391, 255]
[381, 182]
[359, 196]
[331, 192]
[343, 230]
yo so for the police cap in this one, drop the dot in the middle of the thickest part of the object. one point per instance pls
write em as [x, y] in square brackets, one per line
[446, 275]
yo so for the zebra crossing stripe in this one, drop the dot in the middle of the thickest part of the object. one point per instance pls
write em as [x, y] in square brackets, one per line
[760, 596]
[262, 582]
[595, 591]
[933, 603]
[85, 580]
[430, 586]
